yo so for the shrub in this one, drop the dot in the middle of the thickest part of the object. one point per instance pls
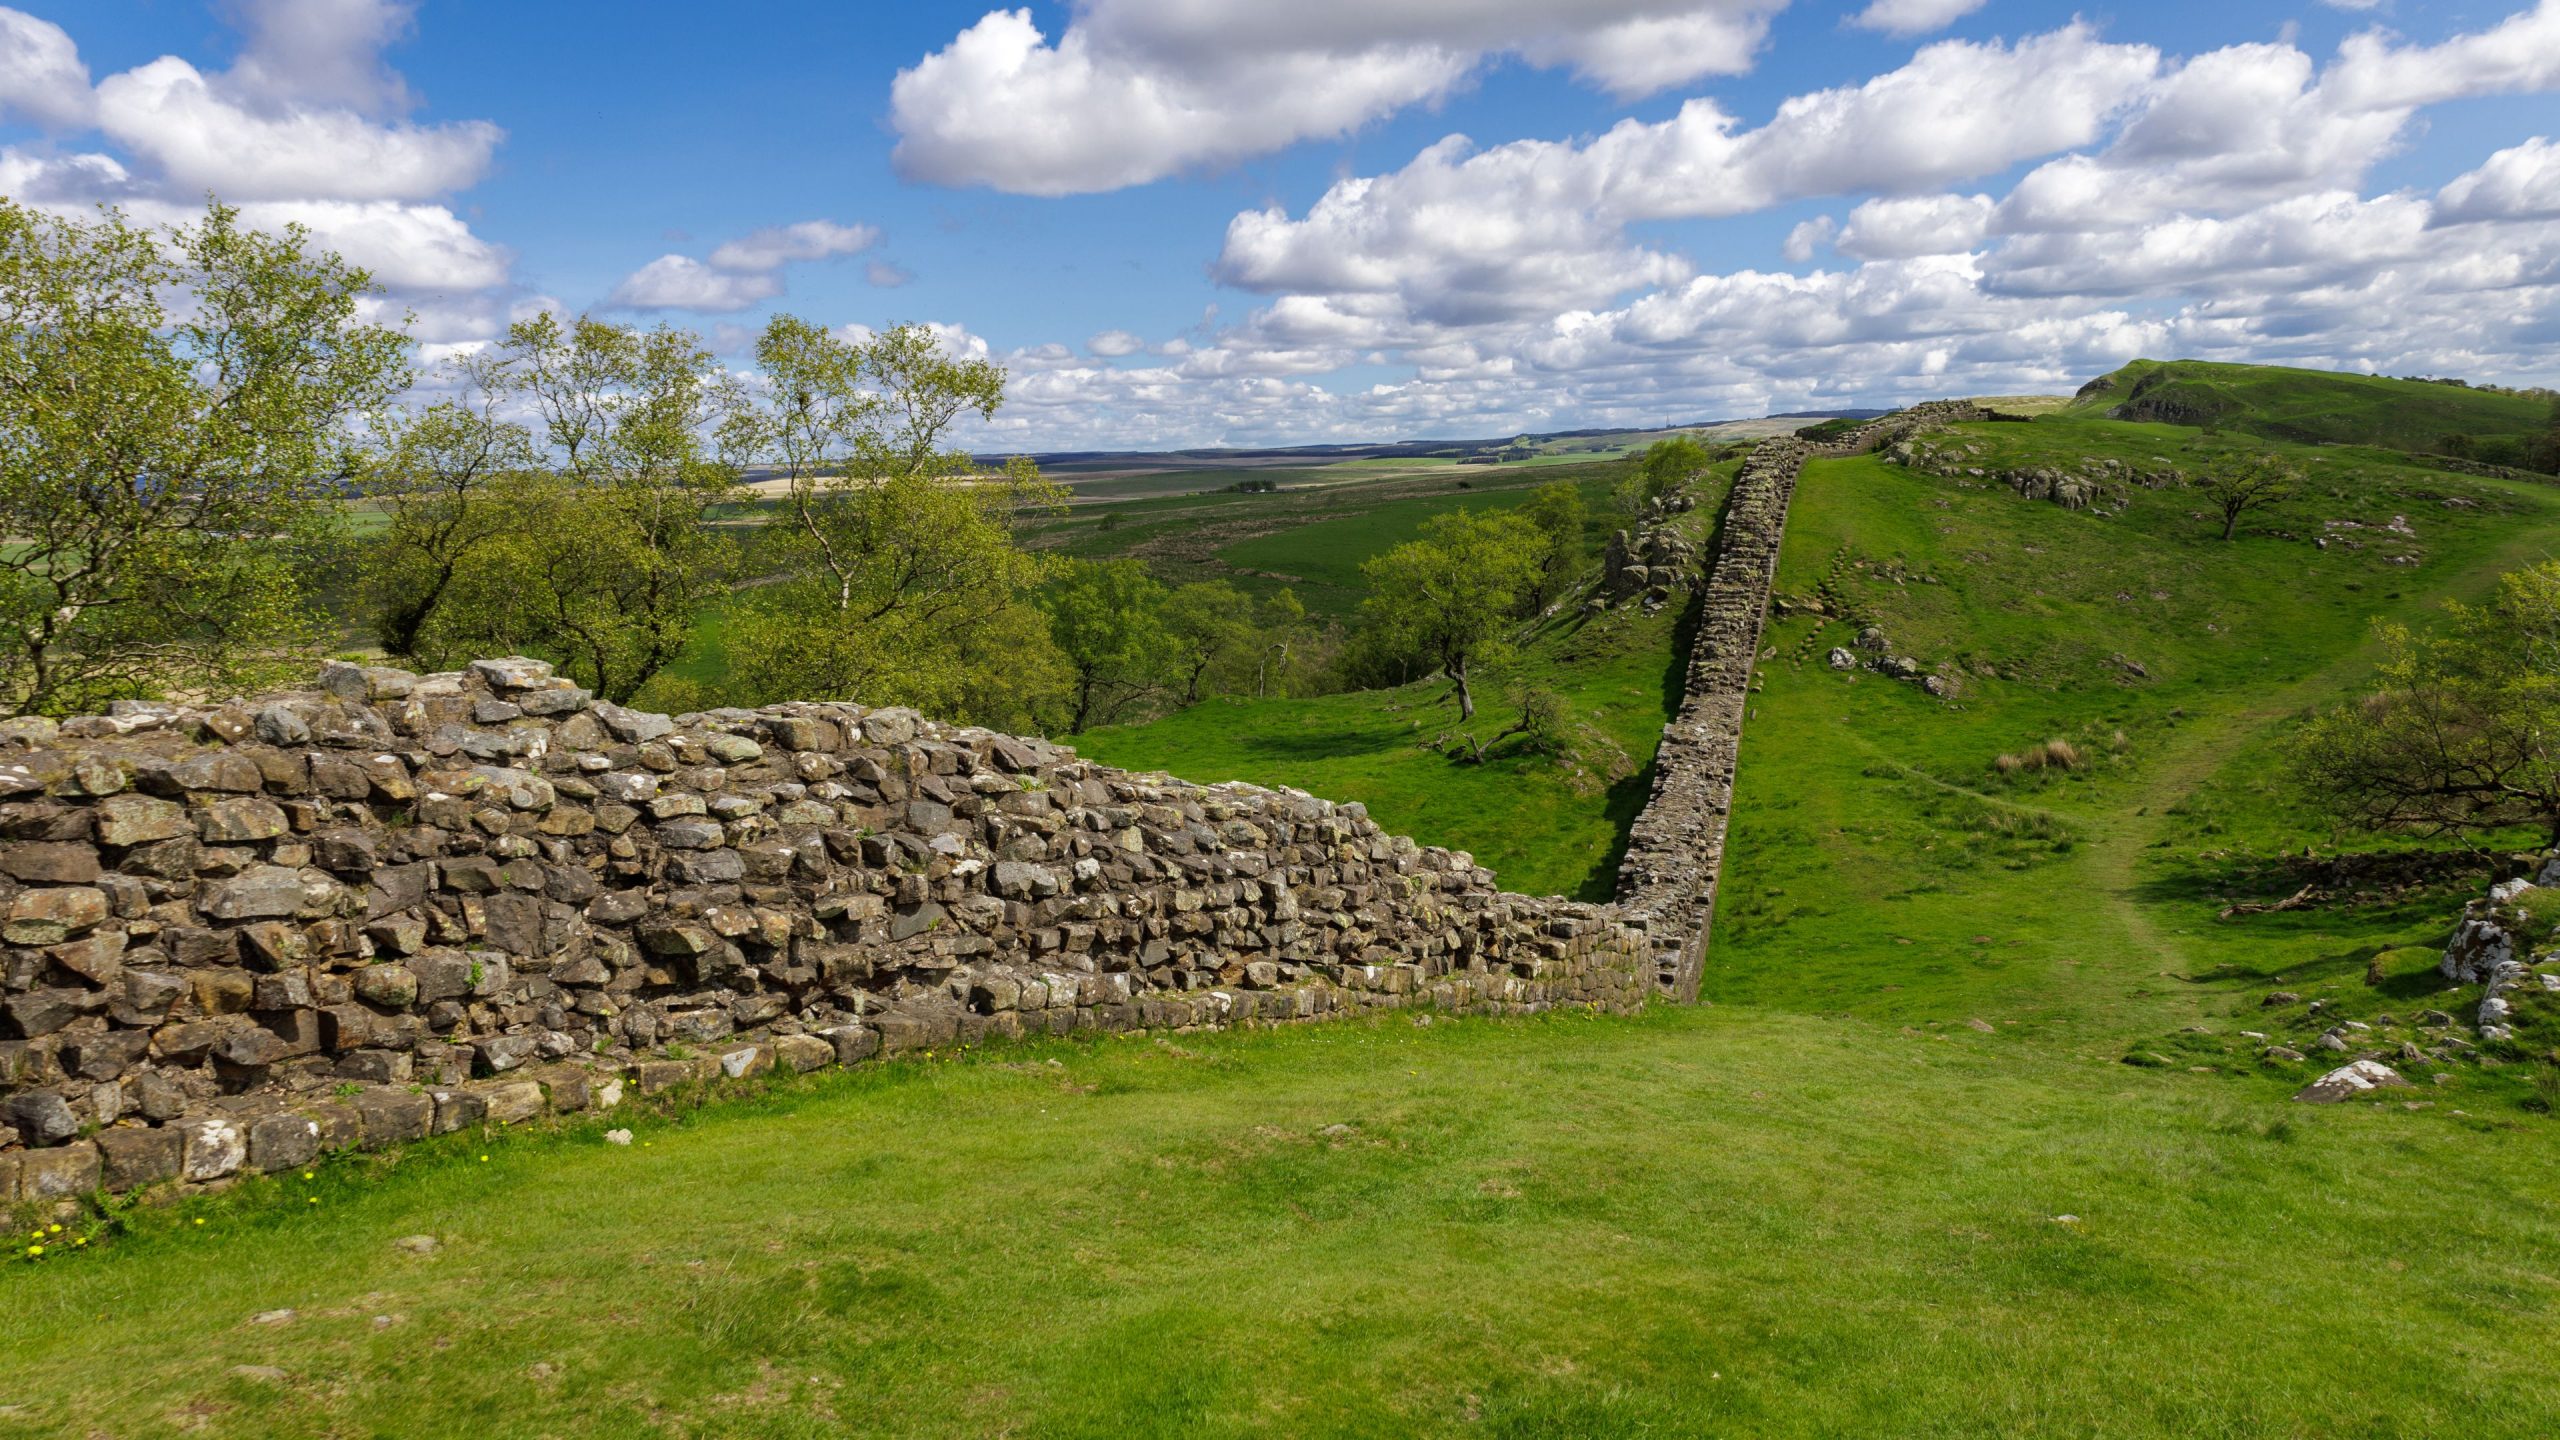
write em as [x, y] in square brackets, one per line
[2054, 754]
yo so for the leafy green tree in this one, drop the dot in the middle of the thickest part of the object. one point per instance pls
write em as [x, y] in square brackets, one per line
[1557, 513]
[2461, 734]
[1662, 468]
[2241, 484]
[1107, 618]
[1450, 595]
[895, 556]
[1282, 620]
[179, 412]
[451, 483]
[1209, 626]
[603, 556]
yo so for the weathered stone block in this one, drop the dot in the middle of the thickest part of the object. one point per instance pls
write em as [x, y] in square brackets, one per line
[52, 915]
[283, 1142]
[392, 1116]
[458, 1110]
[240, 821]
[131, 1157]
[51, 863]
[803, 1053]
[215, 1147]
[512, 1103]
[66, 1173]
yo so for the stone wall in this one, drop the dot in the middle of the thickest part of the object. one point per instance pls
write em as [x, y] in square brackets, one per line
[396, 905]
[1675, 851]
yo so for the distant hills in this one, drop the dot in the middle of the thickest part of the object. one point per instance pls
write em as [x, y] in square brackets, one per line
[2318, 406]
[1072, 462]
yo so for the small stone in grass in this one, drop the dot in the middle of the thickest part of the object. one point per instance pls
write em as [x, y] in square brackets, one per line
[418, 1244]
[272, 1317]
[2066, 1219]
[617, 1137]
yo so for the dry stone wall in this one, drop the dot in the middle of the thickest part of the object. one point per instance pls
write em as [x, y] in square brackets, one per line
[1675, 852]
[397, 905]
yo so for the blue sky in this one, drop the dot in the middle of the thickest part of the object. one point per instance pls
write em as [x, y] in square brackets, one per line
[2049, 190]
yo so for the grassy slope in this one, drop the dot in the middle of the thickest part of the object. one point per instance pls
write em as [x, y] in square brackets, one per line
[1879, 867]
[1708, 1221]
[1824, 1205]
[1542, 829]
[1543, 832]
[2317, 406]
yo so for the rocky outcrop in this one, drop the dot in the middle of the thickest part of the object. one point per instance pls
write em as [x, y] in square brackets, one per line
[395, 905]
[2512, 953]
[1653, 564]
[2095, 482]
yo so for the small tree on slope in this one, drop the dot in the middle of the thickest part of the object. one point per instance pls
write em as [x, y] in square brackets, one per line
[2462, 733]
[1450, 595]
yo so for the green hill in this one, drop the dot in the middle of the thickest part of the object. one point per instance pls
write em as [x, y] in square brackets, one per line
[2310, 406]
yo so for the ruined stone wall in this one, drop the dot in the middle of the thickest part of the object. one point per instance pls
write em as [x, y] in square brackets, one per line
[1675, 851]
[396, 905]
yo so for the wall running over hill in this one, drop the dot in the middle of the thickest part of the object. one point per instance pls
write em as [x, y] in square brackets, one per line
[1675, 852]
[401, 905]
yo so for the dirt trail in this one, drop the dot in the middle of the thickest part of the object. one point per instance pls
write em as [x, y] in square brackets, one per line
[2110, 861]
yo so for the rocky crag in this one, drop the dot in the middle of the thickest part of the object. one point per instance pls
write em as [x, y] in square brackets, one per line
[2512, 953]
[1675, 851]
[236, 936]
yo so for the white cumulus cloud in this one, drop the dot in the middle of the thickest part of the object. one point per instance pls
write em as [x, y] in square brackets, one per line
[1134, 90]
[1914, 17]
[2521, 182]
[775, 246]
[41, 77]
[680, 282]
[744, 273]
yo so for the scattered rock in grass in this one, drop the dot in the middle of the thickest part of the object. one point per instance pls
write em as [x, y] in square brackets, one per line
[1985, 1026]
[617, 1137]
[2280, 1052]
[272, 1317]
[2280, 997]
[2066, 1219]
[418, 1244]
[1339, 1131]
[2349, 1081]
[1840, 659]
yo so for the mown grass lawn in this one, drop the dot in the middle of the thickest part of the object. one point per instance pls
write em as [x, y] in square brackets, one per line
[1700, 1222]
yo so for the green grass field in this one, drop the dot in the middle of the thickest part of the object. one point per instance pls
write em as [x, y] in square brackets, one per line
[1713, 1221]
[1897, 1178]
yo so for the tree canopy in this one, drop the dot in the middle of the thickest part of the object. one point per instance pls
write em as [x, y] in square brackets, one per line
[177, 411]
[2461, 733]
[1451, 595]
[895, 555]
